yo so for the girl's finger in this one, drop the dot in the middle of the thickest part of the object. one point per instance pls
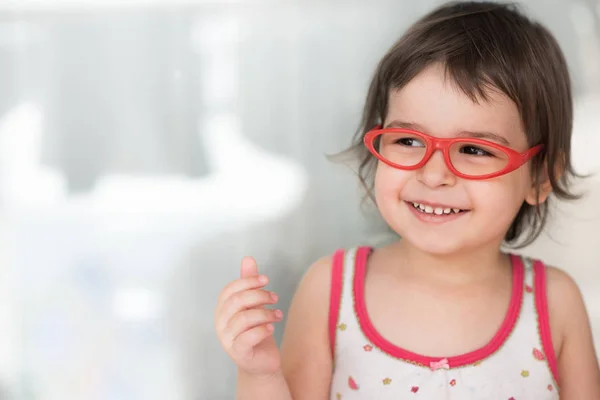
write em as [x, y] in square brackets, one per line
[246, 341]
[243, 301]
[239, 285]
[246, 320]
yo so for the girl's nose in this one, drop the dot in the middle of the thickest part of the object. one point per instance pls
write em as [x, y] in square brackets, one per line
[435, 172]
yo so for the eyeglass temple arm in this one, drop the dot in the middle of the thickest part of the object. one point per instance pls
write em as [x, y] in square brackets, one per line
[529, 154]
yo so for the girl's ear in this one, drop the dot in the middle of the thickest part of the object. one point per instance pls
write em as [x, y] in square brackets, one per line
[538, 195]
[542, 187]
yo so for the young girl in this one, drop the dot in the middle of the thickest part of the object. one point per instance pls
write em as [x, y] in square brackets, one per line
[466, 132]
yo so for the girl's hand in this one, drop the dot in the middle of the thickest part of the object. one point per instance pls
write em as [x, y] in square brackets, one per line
[243, 324]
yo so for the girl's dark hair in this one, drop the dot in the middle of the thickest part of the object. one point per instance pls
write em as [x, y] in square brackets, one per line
[485, 45]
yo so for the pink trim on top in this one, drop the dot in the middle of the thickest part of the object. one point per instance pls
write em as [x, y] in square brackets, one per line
[456, 361]
[541, 305]
[335, 295]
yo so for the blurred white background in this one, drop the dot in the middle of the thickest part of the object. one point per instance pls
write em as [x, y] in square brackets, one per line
[146, 146]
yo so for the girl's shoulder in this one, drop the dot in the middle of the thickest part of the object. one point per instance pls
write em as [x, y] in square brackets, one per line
[321, 274]
[316, 279]
[565, 303]
[570, 326]
[307, 328]
[314, 289]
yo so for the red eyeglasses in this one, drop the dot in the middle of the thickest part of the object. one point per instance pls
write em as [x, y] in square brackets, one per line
[468, 158]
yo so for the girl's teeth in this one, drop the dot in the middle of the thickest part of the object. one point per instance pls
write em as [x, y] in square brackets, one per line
[436, 211]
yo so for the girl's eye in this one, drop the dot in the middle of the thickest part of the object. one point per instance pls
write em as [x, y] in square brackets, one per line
[410, 142]
[475, 151]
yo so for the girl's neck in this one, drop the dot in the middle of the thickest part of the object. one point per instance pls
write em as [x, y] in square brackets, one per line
[456, 268]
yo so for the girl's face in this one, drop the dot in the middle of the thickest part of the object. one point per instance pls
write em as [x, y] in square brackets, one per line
[436, 106]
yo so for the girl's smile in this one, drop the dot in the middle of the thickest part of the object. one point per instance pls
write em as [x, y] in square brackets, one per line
[435, 213]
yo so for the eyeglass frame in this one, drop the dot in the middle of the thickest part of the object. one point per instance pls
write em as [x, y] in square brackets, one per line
[516, 159]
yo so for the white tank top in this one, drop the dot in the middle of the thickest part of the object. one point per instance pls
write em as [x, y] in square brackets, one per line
[517, 364]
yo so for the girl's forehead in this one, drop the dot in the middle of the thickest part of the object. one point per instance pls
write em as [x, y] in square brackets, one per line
[441, 108]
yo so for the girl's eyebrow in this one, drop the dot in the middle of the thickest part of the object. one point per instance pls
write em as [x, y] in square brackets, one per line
[406, 125]
[479, 135]
[486, 135]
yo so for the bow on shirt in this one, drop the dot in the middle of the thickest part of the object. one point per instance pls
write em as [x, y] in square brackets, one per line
[442, 364]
